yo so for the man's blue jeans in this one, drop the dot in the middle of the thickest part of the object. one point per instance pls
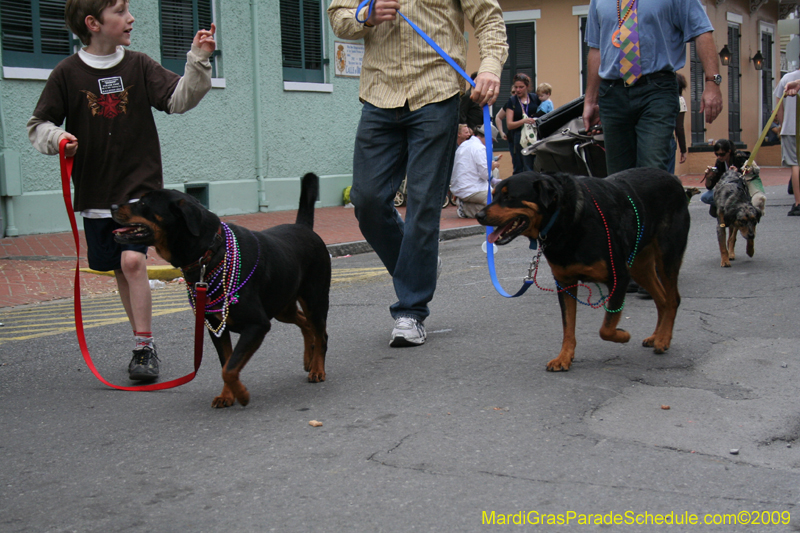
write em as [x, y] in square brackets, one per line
[638, 122]
[392, 144]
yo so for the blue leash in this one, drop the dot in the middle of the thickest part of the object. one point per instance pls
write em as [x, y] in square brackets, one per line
[487, 129]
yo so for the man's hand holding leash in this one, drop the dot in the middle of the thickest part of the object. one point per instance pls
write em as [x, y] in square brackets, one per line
[487, 88]
[382, 11]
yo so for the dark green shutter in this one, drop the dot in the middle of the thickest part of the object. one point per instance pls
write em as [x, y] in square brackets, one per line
[521, 54]
[734, 86]
[33, 33]
[696, 85]
[180, 21]
[301, 40]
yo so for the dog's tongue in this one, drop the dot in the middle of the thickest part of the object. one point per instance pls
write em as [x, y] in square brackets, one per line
[493, 236]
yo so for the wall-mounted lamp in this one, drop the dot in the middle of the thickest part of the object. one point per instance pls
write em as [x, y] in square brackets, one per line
[725, 55]
[758, 60]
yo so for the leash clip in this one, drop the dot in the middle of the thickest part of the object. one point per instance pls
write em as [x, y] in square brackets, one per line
[201, 283]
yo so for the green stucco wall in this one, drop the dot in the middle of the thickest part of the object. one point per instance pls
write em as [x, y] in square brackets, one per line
[215, 142]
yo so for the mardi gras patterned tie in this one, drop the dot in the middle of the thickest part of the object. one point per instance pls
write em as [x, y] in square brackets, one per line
[630, 68]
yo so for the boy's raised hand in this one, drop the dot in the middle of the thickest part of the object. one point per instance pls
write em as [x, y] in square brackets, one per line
[205, 39]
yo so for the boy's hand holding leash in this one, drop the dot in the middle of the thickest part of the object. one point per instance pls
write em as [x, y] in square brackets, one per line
[205, 39]
[71, 147]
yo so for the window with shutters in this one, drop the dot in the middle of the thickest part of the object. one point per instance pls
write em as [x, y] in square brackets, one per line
[696, 84]
[734, 85]
[301, 41]
[33, 33]
[521, 58]
[767, 52]
[180, 21]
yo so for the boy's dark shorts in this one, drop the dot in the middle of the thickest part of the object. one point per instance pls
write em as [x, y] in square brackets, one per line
[103, 252]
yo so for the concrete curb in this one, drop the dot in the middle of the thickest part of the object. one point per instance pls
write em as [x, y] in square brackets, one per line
[361, 247]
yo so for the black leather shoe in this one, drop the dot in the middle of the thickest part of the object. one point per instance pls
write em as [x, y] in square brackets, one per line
[144, 364]
[794, 211]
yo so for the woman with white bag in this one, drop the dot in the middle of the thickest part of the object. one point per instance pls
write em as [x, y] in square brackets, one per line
[519, 113]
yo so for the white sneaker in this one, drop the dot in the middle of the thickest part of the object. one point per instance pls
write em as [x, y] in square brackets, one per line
[407, 332]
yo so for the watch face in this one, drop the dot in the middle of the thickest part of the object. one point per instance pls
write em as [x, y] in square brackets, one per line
[717, 79]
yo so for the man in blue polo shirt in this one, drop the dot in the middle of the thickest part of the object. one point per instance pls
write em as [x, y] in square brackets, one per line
[634, 51]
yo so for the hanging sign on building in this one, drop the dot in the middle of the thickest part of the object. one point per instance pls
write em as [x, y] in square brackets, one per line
[347, 59]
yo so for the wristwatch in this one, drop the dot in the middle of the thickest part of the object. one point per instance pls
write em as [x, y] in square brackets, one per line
[716, 78]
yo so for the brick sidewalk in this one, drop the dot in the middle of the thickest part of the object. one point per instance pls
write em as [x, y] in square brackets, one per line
[37, 268]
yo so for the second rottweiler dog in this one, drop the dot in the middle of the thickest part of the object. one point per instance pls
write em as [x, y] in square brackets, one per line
[283, 272]
[633, 224]
[736, 212]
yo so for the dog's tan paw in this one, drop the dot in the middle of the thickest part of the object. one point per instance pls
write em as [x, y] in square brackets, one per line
[243, 397]
[616, 335]
[649, 342]
[316, 377]
[557, 365]
[223, 400]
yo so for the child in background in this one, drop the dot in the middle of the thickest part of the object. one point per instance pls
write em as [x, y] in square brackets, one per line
[105, 93]
[543, 91]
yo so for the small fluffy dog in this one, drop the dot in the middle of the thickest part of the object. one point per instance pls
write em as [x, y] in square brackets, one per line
[735, 211]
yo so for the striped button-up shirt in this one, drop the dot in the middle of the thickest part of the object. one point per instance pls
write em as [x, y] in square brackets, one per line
[399, 66]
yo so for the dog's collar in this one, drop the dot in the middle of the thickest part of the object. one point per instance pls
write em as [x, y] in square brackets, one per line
[218, 242]
[543, 234]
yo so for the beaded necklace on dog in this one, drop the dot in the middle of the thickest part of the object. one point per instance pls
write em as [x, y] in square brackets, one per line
[603, 299]
[224, 280]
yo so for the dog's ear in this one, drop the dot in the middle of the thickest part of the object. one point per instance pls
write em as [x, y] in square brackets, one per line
[186, 210]
[546, 190]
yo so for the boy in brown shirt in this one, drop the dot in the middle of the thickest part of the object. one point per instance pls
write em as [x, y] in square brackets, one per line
[105, 93]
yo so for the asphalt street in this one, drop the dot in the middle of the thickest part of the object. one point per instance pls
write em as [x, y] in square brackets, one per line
[464, 432]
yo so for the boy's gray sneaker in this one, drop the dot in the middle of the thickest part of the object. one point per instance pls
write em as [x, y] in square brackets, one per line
[407, 331]
[144, 364]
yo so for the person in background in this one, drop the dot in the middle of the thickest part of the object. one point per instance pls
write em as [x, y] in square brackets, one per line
[728, 157]
[787, 117]
[469, 181]
[544, 91]
[680, 130]
[520, 109]
[635, 97]
[464, 133]
[408, 127]
[723, 150]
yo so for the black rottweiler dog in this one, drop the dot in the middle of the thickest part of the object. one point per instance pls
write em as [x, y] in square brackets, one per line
[633, 224]
[282, 272]
[736, 212]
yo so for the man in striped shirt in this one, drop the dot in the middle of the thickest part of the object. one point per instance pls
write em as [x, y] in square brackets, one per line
[408, 128]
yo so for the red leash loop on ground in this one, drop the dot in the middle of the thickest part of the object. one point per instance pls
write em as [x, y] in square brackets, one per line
[66, 173]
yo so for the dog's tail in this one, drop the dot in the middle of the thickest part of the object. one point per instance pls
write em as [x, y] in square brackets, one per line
[309, 189]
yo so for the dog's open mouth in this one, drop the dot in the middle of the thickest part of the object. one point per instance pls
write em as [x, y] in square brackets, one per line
[505, 234]
[134, 234]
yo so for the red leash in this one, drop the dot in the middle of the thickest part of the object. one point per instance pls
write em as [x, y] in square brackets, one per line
[66, 173]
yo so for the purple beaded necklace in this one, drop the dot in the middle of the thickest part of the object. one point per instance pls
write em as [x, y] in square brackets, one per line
[224, 281]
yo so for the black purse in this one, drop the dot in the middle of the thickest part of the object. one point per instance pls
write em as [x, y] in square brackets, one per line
[555, 120]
